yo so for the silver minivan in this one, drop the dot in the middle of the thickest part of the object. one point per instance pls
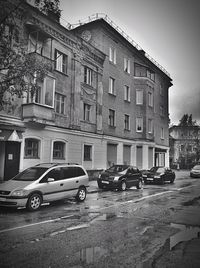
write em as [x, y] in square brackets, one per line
[44, 183]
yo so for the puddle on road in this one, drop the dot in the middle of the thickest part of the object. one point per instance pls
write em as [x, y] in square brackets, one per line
[193, 202]
[186, 233]
[90, 255]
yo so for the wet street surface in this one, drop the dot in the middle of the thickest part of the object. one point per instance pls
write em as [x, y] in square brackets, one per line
[158, 226]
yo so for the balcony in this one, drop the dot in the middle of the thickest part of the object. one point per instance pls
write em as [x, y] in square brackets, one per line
[37, 113]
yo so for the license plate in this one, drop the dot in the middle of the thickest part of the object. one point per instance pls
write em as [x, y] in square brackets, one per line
[2, 199]
[106, 182]
[150, 179]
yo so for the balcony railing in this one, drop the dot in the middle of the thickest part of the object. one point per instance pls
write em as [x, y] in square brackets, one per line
[34, 112]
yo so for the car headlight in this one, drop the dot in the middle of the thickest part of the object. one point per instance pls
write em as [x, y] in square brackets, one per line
[144, 176]
[19, 193]
[156, 177]
[116, 178]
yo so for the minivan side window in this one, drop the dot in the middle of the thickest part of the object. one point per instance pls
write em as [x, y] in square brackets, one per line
[55, 174]
[71, 172]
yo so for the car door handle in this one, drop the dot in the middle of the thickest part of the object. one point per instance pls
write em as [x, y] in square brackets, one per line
[77, 181]
[61, 184]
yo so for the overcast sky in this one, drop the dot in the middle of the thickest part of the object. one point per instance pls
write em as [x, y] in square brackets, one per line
[168, 30]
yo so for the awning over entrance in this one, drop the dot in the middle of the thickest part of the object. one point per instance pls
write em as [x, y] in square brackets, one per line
[10, 135]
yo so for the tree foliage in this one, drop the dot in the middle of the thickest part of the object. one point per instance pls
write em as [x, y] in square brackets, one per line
[49, 5]
[19, 70]
[187, 120]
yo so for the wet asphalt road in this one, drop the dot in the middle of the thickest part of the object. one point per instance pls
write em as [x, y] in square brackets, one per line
[136, 228]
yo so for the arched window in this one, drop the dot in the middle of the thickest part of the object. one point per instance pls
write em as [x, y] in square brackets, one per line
[31, 148]
[58, 150]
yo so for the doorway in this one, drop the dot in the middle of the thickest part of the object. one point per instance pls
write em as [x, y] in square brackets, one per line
[12, 157]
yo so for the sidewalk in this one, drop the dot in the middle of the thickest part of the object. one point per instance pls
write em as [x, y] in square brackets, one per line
[93, 187]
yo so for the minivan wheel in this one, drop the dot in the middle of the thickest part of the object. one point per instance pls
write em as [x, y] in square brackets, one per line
[123, 186]
[140, 185]
[81, 195]
[34, 202]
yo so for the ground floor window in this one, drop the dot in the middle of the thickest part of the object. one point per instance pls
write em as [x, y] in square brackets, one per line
[58, 150]
[31, 148]
[87, 152]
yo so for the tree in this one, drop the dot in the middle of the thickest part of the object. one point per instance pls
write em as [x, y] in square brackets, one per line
[187, 120]
[19, 71]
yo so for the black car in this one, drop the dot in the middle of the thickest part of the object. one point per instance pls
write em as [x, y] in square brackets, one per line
[120, 177]
[158, 175]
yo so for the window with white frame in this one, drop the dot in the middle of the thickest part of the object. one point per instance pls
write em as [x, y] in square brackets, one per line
[111, 119]
[139, 124]
[150, 99]
[45, 92]
[58, 150]
[150, 126]
[59, 103]
[86, 111]
[161, 110]
[112, 86]
[126, 93]
[112, 55]
[88, 75]
[127, 65]
[87, 152]
[139, 97]
[31, 149]
[61, 61]
[126, 122]
[162, 133]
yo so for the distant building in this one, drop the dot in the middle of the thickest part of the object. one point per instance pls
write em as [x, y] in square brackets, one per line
[103, 101]
[184, 146]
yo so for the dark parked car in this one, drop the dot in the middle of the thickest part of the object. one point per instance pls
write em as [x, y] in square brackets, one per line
[195, 171]
[120, 177]
[158, 175]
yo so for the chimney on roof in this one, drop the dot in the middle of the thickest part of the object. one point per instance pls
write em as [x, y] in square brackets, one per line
[142, 51]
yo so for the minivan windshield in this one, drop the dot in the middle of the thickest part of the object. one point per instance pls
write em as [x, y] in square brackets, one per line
[30, 174]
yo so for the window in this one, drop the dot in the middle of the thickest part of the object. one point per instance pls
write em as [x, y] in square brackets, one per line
[127, 65]
[87, 152]
[139, 97]
[111, 121]
[126, 122]
[59, 103]
[58, 150]
[150, 126]
[162, 133]
[126, 93]
[86, 112]
[112, 55]
[150, 99]
[150, 74]
[139, 124]
[182, 148]
[112, 86]
[161, 89]
[72, 172]
[161, 110]
[61, 62]
[143, 71]
[31, 148]
[88, 76]
[44, 94]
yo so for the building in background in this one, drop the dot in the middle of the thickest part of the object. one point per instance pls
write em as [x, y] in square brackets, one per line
[184, 146]
[103, 100]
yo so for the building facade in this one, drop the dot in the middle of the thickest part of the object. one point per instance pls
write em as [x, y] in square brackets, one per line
[184, 146]
[135, 97]
[102, 102]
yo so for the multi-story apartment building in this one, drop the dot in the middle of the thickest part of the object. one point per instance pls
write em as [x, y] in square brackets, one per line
[184, 146]
[103, 101]
[135, 97]
[51, 125]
